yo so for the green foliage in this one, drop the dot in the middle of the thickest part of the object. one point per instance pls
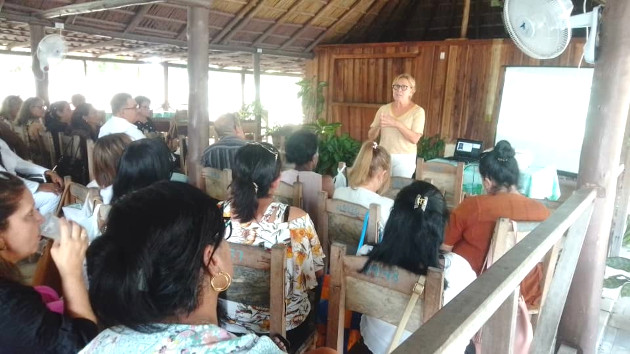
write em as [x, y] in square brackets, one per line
[619, 280]
[249, 111]
[322, 128]
[431, 147]
[626, 235]
[312, 96]
[334, 149]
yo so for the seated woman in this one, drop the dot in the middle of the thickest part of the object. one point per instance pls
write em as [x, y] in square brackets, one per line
[411, 240]
[370, 176]
[301, 150]
[156, 274]
[106, 155]
[143, 163]
[258, 220]
[8, 112]
[85, 122]
[471, 224]
[27, 325]
[31, 117]
[57, 120]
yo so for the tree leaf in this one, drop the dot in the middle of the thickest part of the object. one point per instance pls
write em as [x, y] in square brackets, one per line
[615, 281]
[619, 263]
[625, 290]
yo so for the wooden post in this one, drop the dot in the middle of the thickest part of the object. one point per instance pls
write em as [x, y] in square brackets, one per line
[165, 105]
[623, 199]
[242, 88]
[464, 30]
[257, 104]
[599, 161]
[198, 134]
[41, 78]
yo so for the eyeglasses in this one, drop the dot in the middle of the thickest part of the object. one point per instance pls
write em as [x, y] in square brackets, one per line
[397, 87]
[269, 148]
[134, 107]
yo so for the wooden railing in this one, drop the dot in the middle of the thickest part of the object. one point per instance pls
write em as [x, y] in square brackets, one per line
[493, 292]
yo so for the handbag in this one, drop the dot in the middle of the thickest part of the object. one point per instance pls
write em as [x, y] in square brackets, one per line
[418, 290]
[69, 163]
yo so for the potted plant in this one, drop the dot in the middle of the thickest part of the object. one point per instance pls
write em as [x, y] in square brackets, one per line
[312, 96]
[333, 148]
[431, 147]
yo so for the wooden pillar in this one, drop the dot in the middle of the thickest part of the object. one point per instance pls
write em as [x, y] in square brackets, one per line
[41, 78]
[242, 89]
[257, 104]
[198, 134]
[165, 105]
[599, 161]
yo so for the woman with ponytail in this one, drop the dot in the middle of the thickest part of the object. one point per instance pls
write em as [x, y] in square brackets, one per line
[369, 177]
[258, 220]
[32, 320]
[411, 240]
[471, 224]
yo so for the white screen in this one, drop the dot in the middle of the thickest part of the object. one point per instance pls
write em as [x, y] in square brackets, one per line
[543, 112]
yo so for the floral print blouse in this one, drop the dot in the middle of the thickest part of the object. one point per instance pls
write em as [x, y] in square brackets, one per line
[304, 257]
[179, 338]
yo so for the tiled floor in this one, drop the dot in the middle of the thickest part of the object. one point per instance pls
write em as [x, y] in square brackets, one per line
[614, 319]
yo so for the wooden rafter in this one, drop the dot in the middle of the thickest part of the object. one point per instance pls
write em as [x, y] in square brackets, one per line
[238, 17]
[19, 45]
[1, 4]
[135, 21]
[316, 17]
[93, 6]
[110, 43]
[339, 20]
[376, 7]
[278, 22]
[243, 22]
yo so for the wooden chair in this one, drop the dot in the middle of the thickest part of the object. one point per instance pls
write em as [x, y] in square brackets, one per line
[397, 183]
[341, 221]
[446, 177]
[46, 272]
[48, 148]
[289, 194]
[89, 151]
[506, 234]
[217, 182]
[381, 292]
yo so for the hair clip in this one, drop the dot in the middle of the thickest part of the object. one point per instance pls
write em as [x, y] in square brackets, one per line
[255, 187]
[421, 202]
[502, 159]
[374, 145]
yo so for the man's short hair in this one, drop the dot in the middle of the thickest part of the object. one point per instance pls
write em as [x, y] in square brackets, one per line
[142, 99]
[119, 101]
[227, 124]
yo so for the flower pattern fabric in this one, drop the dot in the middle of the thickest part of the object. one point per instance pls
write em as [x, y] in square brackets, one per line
[179, 338]
[304, 257]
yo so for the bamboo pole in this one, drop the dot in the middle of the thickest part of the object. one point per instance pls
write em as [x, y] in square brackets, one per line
[599, 161]
[198, 133]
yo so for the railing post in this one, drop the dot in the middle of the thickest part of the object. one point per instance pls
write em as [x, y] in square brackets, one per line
[497, 335]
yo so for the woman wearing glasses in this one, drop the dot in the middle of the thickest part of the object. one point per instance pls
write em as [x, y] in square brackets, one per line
[258, 220]
[31, 117]
[400, 125]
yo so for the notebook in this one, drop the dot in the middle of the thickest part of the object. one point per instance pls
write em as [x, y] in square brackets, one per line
[467, 151]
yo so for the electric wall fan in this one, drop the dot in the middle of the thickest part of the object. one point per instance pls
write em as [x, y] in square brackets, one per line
[542, 28]
[50, 51]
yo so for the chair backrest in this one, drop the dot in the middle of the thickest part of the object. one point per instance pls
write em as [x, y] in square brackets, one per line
[289, 194]
[259, 280]
[382, 292]
[89, 147]
[397, 183]
[217, 182]
[183, 153]
[341, 221]
[446, 177]
[48, 147]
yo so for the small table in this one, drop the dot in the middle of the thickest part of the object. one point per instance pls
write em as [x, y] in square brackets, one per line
[538, 182]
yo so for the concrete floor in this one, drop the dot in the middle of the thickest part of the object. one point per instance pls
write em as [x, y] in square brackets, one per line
[614, 319]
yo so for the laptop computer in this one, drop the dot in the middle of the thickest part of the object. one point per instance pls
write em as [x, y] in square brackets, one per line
[467, 151]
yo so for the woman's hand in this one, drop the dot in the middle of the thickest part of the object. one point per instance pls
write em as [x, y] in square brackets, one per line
[389, 121]
[49, 187]
[69, 251]
[54, 177]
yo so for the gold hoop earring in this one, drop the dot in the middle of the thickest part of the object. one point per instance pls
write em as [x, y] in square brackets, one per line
[228, 282]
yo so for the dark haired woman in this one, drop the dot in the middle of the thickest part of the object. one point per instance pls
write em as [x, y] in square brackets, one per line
[301, 150]
[27, 325]
[143, 162]
[85, 122]
[411, 240]
[258, 220]
[156, 274]
[471, 224]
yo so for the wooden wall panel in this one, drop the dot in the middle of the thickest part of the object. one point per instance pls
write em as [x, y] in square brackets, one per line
[458, 82]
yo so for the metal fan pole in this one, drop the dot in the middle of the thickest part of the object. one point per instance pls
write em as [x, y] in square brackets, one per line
[41, 78]
[599, 163]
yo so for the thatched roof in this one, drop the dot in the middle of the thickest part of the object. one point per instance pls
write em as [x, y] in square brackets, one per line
[286, 30]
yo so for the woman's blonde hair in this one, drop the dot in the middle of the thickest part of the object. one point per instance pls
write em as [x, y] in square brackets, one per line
[409, 78]
[371, 158]
[107, 153]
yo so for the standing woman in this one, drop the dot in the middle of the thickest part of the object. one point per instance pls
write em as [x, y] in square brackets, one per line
[27, 325]
[400, 125]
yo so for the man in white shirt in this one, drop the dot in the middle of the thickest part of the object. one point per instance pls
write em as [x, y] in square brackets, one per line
[125, 114]
[46, 195]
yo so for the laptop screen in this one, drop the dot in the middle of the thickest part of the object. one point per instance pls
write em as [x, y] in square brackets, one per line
[468, 148]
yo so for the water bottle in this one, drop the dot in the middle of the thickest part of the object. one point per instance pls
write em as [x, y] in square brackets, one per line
[50, 227]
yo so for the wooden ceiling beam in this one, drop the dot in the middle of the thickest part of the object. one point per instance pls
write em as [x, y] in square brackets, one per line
[339, 20]
[279, 22]
[110, 43]
[316, 17]
[135, 21]
[376, 7]
[92, 6]
[18, 45]
[238, 17]
[243, 22]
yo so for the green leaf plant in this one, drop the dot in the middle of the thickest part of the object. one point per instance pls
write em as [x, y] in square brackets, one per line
[619, 280]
